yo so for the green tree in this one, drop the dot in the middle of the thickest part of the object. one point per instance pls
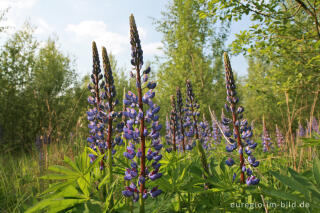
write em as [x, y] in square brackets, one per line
[193, 48]
[284, 35]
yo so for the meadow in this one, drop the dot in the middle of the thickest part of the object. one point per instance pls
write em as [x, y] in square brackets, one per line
[192, 136]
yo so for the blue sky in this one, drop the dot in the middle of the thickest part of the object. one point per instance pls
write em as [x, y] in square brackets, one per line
[77, 23]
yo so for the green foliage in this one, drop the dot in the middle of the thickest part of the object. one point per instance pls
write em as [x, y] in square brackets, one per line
[282, 44]
[193, 49]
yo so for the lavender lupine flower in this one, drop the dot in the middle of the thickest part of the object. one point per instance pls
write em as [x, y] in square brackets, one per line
[280, 138]
[96, 115]
[102, 115]
[180, 116]
[216, 134]
[301, 131]
[191, 114]
[191, 123]
[241, 130]
[168, 136]
[142, 122]
[173, 122]
[205, 133]
[265, 137]
[315, 125]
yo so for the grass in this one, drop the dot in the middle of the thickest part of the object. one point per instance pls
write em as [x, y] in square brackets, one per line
[20, 174]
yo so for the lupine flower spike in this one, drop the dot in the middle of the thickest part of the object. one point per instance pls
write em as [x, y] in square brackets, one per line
[191, 118]
[173, 122]
[280, 138]
[265, 137]
[241, 130]
[96, 115]
[180, 116]
[139, 134]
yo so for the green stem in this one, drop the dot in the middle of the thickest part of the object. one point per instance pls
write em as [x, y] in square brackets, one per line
[141, 202]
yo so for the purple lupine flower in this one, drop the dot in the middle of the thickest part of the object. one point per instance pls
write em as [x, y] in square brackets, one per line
[229, 161]
[265, 138]
[301, 131]
[280, 138]
[154, 192]
[154, 175]
[141, 122]
[216, 132]
[315, 125]
[234, 177]
[252, 180]
[130, 153]
[241, 130]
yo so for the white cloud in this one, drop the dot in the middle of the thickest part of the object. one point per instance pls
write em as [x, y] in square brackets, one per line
[42, 27]
[153, 48]
[98, 31]
[20, 4]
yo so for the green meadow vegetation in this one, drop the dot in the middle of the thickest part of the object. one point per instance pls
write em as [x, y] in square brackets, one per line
[183, 133]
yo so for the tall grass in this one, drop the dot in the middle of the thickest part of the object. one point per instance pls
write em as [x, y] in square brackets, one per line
[20, 181]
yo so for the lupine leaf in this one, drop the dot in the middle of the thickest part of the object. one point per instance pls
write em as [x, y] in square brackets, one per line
[70, 163]
[282, 195]
[62, 169]
[291, 183]
[92, 151]
[57, 186]
[84, 184]
[104, 180]
[59, 177]
[94, 163]
[316, 170]
[57, 206]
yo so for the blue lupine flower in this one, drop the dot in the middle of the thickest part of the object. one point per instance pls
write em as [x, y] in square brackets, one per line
[280, 138]
[141, 121]
[229, 161]
[234, 176]
[241, 130]
[154, 192]
[130, 153]
[265, 138]
[252, 180]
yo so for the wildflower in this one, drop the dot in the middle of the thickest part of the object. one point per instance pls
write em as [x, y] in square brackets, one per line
[252, 180]
[173, 122]
[229, 161]
[241, 130]
[180, 116]
[280, 139]
[142, 120]
[265, 137]
[154, 192]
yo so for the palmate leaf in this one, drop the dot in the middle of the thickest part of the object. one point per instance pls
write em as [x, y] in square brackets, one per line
[84, 184]
[282, 194]
[293, 184]
[63, 198]
[59, 177]
[94, 163]
[68, 161]
[57, 186]
[55, 205]
[63, 170]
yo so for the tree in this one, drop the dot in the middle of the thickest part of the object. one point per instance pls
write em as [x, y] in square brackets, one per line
[284, 36]
[193, 49]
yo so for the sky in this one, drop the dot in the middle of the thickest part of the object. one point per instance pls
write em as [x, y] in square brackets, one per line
[76, 23]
